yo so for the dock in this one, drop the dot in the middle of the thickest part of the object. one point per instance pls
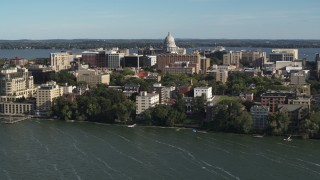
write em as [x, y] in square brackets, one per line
[13, 119]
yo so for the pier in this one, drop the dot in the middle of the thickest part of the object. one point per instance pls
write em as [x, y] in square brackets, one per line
[13, 119]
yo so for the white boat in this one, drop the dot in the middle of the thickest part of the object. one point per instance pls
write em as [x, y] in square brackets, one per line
[131, 126]
[258, 136]
[288, 139]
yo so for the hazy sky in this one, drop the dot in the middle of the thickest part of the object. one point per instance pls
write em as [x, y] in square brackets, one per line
[152, 19]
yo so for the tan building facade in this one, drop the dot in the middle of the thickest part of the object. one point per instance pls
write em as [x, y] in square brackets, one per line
[11, 108]
[46, 94]
[222, 76]
[15, 83]
[164, 60]
[60, 61]
[93, 77]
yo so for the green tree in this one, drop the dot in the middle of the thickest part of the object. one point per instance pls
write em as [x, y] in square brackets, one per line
[278, 123]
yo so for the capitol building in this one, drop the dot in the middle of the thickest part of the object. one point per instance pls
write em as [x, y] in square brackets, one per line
[169, 46]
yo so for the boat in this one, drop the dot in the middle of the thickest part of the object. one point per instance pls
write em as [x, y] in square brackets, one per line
[194, 130]
[288, 139]
[258, 136]
[131, 126]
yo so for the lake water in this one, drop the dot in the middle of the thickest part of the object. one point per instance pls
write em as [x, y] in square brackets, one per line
[308, 53]
[58, 150]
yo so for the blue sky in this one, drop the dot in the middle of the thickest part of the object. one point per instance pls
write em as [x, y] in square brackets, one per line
[152, 19]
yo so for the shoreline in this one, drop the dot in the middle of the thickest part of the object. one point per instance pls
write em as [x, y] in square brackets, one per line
[195, 130]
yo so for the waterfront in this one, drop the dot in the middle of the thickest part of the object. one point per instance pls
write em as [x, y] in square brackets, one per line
[308, 53]
[40, 149]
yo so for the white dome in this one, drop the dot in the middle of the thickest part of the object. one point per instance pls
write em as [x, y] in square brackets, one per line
[169, 41]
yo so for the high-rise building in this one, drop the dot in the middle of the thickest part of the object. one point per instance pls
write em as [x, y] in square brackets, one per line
[204, 64]
[60, 61]
[113, 60]
[46, 94]
[94, 58]
[232, 58]
[132, 61]
[145, 101]
[252, 56]
[318, 64]
[222, 76]
[159, 89]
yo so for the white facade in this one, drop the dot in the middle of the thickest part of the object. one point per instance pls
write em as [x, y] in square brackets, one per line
[153, 60]
[145, 101]
[207, 91]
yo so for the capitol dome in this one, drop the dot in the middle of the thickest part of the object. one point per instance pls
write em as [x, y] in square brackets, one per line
[169, 41]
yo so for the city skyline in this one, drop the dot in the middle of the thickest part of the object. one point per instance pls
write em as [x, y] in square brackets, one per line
[195, 19]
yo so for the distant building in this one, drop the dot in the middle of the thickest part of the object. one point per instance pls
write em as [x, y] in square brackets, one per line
[251, 57]
[283, 55]
[301, 101]
[41, 74]
[145, 101]
[232, 58]
[19, 62]
[130, 89]
[94, 58]
[296, 113]
[203, 91]
[222, 76]
[93, 77]
[16, 108]
[246, 96]
[272, 99]
[164, 60]
[169, 46]
[132, 61]
[148, 61]
[259, 116]
[181, 68]
[204, 64]
[46, 94]
[15, 83]
[159, 89]
[318, 64]
[297, 78]
[113, 60]
[61, 61]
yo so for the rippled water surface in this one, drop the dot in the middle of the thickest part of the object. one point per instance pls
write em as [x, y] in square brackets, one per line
[57, 150]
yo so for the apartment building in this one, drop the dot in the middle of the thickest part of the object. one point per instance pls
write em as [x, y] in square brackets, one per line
[15, 83]
[145, 101]
[93, 77]
[259, 116]
[61, 61]
[46, 94]
[203, 91]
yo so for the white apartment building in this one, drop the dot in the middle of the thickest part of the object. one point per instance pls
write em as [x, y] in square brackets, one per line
[145, 101]
[60, 61]
[92, 77]
[206, 91]
[283, 55]
[15, 83]
[46, 94]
